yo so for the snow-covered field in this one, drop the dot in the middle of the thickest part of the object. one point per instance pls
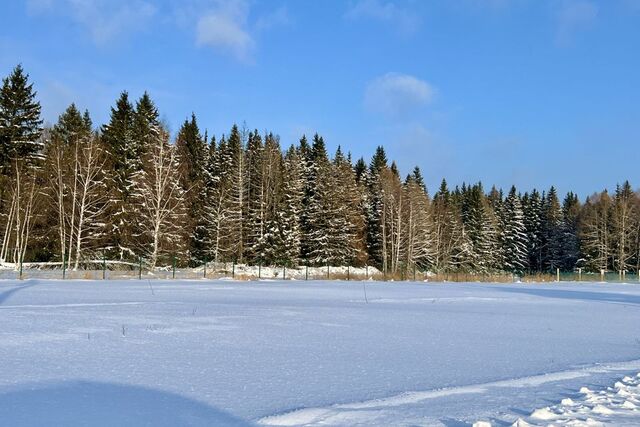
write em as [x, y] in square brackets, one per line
[317, 353]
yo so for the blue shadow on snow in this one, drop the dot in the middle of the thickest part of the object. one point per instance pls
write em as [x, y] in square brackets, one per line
[85, 403]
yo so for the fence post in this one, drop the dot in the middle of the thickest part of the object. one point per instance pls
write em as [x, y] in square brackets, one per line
[306, 272]
[20, 268]
[557, 274]
[259, 270]
[348, 273]
[328, 275]
[104, 266]
[233, 269]
[173, 276]
[64, 266]
[284, 272]
[580, 275]
[205, 267]
[414, 272]
[366, 269]
[139, 267]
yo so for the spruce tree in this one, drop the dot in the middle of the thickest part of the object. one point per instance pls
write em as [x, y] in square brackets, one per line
[191, 150]
[374, 209]
[514, 234]
[552, 235]
[20, 122]
[118, 138]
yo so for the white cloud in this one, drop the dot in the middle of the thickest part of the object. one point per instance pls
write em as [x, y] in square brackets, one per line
[105, 20]
[401, 19]
[397, 95]
[225, 28]
[278, 18]
[225, 25]
[574, 16]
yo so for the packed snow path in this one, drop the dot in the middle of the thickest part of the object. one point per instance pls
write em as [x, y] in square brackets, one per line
[316, 353]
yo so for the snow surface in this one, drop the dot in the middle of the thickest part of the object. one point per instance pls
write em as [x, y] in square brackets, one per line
[316, 353]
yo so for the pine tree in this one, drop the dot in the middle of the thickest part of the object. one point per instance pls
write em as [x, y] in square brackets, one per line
[316, 219]
[118, 138]
[201, 243]
[256, 195]
[20, 122]
[514, 234]
[374, 208]
[191, 151]
[570, 243]
[532, 208]
[552, 232]
[20, 154]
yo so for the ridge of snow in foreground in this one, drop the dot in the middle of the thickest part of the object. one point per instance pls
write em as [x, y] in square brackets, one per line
[617, 405]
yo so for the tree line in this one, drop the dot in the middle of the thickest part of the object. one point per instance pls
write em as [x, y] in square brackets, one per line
[73, 192]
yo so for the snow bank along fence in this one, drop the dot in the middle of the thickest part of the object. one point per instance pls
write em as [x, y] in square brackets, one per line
[139, 269]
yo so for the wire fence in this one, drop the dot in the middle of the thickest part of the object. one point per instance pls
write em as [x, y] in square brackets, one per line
[103, 269]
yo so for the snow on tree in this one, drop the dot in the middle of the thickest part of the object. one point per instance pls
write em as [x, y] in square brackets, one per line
[374, 207]
[514, 237]
[532, 209]
[416, 237]
[161, 200]
[624, 224]
[595, 233]
[552, 232]
[191, 151]
[75, 161]
[20, 154]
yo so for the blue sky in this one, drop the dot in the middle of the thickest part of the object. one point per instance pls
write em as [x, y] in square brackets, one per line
[524, 92]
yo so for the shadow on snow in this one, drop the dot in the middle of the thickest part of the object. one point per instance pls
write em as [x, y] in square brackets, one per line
[84, 403]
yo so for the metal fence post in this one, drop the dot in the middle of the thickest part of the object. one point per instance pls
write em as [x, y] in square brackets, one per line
[284, 272]
[104, 266]
[205, 267]
[64, 266]
[233, 269]
[328, 274]
[140, 268]
[173, 276]
[260, 270]
[306, 272]
[20, 268]
[348, 271]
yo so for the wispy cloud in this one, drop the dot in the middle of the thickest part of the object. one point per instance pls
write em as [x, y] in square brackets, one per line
[229, 26]
[399, 18]
[224, 28]
[278, 18]
[396, 95]
[105, 20]
[574, 16]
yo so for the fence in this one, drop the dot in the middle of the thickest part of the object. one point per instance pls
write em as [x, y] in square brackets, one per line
[138, 269]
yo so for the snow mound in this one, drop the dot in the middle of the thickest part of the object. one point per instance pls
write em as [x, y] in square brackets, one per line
[544, 414]
[612, 406]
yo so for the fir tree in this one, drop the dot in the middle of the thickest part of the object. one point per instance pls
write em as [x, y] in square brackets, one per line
[191, 151]
[514, 234]
[552, 232]
[20, 122]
